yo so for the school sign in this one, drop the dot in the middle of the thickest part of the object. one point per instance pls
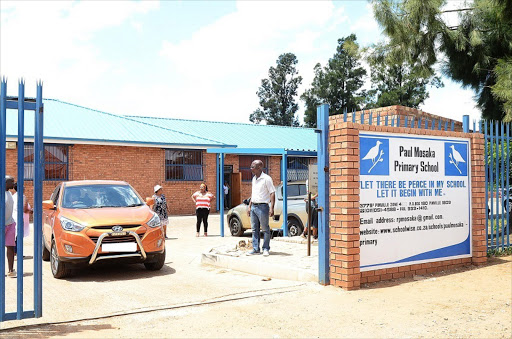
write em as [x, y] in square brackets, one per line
[415, 199]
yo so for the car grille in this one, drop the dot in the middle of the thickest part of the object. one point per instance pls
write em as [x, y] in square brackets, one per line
[109, 227]
[116, 239]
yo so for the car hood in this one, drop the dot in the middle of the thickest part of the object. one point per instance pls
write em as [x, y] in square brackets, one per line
[109, 215]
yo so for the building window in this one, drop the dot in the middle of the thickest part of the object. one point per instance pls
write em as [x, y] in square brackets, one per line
[55, 162]
[298, 169]
[183, 165]
[245, 162]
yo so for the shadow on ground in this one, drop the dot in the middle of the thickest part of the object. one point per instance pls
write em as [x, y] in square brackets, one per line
[117, 272]
[51, 330]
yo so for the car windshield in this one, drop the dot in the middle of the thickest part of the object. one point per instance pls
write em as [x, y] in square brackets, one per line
[295, 190]
[99, 196]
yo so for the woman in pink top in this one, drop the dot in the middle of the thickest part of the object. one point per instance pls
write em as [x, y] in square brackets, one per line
[203, 200]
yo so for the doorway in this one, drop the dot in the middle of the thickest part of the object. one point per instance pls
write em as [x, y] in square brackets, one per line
[228, 173]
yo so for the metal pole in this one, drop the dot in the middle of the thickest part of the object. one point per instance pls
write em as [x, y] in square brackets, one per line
[491, 185]
[284, 175]
[486, 166]
[20, 194]
[507, 139]
[465, 123]
[310, 215]
[221, 195]
[38, 202]
[323, 193]
[217, 185]
[3, 131]
[502, 186]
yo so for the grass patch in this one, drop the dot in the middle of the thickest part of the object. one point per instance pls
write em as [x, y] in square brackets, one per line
[499, 252]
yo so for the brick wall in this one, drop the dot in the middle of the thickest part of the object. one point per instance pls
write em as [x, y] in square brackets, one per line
[344, 206]
[141, 167]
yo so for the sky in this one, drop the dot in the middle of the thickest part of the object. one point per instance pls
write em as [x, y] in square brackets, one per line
[201, 60]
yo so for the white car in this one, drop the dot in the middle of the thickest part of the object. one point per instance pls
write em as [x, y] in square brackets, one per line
[239, 222]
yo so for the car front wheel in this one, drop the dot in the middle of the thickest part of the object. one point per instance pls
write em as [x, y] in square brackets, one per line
[59, 269]
[294, 227]
[158, 264]
[235, 226]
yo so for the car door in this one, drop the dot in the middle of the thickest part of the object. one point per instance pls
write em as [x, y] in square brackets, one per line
[49, 217]
[296, 195]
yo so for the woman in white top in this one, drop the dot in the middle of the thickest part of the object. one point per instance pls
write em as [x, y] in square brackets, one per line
[27, 210]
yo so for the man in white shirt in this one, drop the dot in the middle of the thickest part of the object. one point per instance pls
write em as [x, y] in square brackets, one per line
[10, 226]
[261, 207]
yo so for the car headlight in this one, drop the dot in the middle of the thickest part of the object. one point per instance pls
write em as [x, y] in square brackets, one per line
[154, 221]
[70, 225]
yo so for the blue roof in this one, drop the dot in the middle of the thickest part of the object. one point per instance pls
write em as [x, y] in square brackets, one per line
[243, 135]
[68, 122]
[65, 121]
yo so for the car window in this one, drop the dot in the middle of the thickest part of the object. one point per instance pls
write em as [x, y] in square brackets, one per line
[98, 196]
[303, 190]
[55, 195]
[295, 190]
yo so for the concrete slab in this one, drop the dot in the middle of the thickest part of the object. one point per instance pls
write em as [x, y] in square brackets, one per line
[288, 259]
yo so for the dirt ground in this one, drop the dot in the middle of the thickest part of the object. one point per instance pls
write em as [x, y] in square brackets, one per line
[188, 300]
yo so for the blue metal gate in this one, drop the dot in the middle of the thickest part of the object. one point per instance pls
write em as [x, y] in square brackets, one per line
[497, 189]
[22, 104]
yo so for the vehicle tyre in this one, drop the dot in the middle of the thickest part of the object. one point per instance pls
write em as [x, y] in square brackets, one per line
[46, 253]
[235, 226]
[59, 269]
[294, 227]
[156, 265]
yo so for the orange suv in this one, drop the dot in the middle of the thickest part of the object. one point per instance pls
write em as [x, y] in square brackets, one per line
[88, 221]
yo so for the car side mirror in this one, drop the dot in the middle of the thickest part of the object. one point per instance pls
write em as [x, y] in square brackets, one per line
[246, 201]
[150, 201]
[48, 205]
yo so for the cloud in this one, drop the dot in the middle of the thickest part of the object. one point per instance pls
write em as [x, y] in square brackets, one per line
[452, 102]
[51, 40]
[235, 52]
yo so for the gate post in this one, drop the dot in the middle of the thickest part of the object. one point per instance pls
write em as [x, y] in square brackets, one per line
[3, 129]
[20, 190]
[284, 176]
[221, 195]
[38, 202]
[322, 118]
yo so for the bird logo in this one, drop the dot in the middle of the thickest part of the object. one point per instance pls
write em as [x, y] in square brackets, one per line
[374, 155]
[456, 158]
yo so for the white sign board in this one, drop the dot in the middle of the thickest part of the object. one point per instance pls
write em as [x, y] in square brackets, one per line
[313, 179]
[415, 199]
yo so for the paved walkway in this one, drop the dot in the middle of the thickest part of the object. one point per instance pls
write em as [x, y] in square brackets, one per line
[287, 260]
[97, 290]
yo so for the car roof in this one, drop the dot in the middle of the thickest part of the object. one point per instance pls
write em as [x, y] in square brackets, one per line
[94, 182]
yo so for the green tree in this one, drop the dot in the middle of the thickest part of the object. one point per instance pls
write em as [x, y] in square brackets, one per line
[277, 93]
[502, 90]
[338, 83]
[469, 51]
[397, 82]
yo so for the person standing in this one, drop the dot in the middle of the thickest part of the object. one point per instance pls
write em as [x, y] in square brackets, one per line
[226, 192]
[161, 208]
[203, 200]
[10, 226]
[27, 210]
[261, 207]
